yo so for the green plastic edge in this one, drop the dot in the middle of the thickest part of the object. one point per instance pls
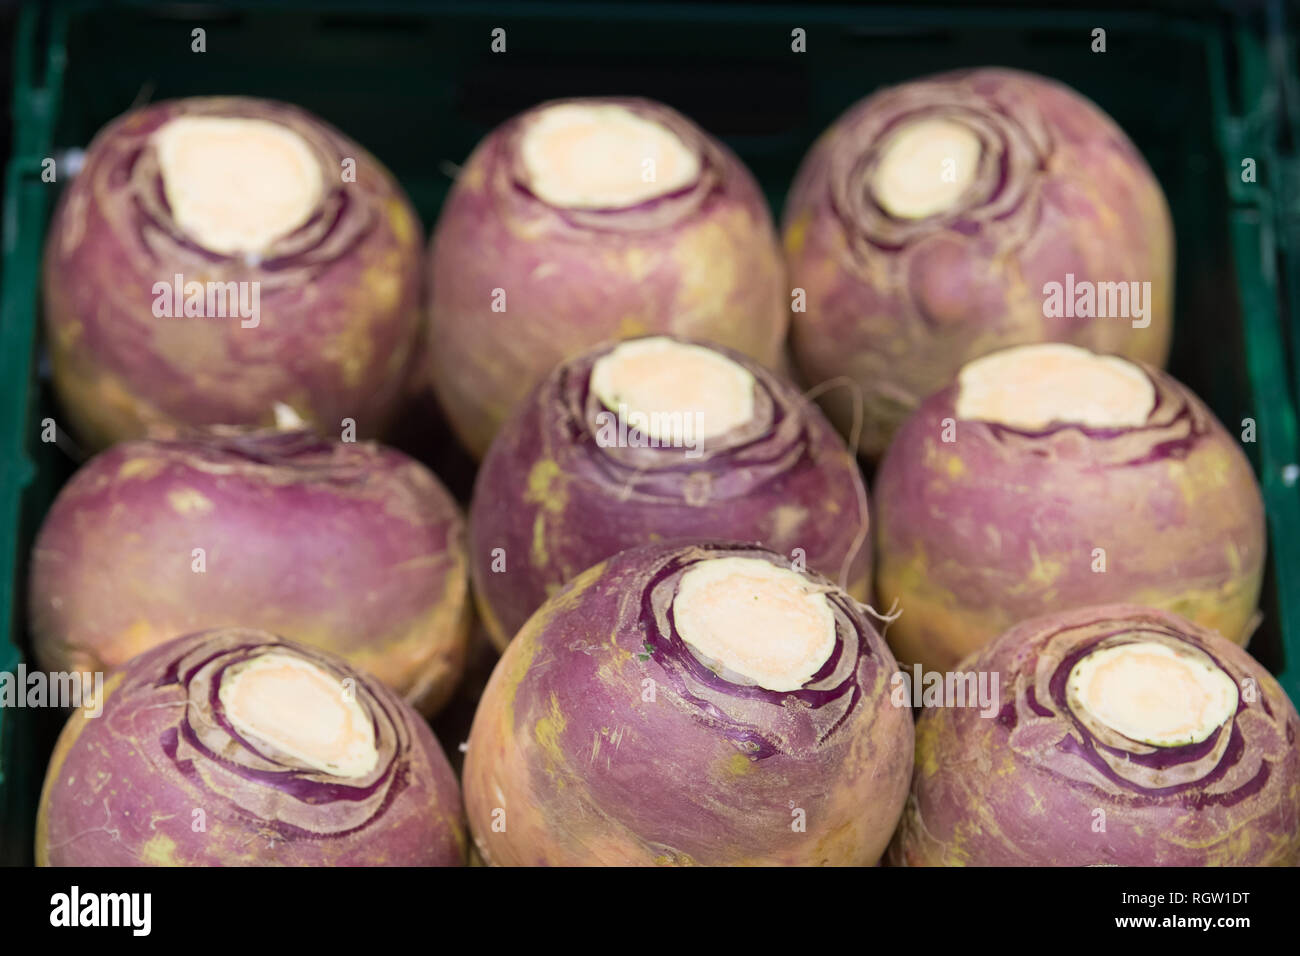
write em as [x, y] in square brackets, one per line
[25, 209]
[1287, 68]
[1254, 249]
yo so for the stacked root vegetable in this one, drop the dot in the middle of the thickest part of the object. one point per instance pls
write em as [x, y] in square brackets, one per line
[713, 649]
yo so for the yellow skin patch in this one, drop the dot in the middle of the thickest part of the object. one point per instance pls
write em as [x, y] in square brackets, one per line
[139, 637]
[546, 486]
[547, 732]
[1210, 470]
[636, 262]
[927, 738]
[797, 233]
[546, 489]
[707, 267]
[1229, 609]
[785, 521]
[140, 468]
[681, 859]
[353, 348]
[1233, 555]
[739, 765]
[189, 501]
[631, 326]
[832, 845]
[1043, 572]
[400, 221]
[160, 851]
[618, 659]
[541, 557]
[932, 610]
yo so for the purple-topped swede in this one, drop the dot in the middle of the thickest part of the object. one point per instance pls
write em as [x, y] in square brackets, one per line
[218, 255]
[690, 703]
[1125, 736]
[654, 439]
[234, 747]
[352, 547]
[1048, 477]
[584, 220]
[930, 224]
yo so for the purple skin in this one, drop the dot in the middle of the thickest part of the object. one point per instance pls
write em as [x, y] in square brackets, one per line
[557, 501]
[123, 788]
[351, 547]
[702, 262]
[588, 772]
[1024, 788]
[339, 298]
[1000, 525]
[898, 305]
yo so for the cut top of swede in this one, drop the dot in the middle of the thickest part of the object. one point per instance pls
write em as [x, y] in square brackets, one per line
[1034, 386]
[584, 156]
[301, 710]
[1151, 692]
[764, 623]
[661, 380]
[924, 167]
[236, 185]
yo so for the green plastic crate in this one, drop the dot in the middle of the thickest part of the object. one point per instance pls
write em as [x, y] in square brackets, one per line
[1198, 89]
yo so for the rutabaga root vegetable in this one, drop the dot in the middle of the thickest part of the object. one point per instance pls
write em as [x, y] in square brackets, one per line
[1048, 477]
[585, 220]
[235, 748]
[653, 439]
[347, 546]
[945, 218]
[218, 255]
[1126, 736]
[690, 703]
